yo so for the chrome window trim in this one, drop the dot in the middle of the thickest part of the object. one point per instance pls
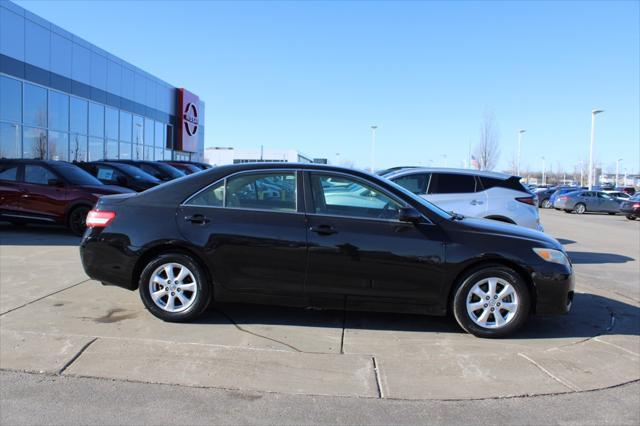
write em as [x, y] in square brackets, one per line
[224, 196]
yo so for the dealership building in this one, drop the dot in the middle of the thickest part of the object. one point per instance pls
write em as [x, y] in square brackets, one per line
[63, 98]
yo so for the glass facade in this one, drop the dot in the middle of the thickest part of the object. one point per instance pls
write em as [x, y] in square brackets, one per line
[63, 98]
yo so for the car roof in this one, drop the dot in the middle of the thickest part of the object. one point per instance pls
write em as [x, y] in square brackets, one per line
[473, 172]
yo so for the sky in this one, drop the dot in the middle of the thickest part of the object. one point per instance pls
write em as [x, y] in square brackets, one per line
[315, 76]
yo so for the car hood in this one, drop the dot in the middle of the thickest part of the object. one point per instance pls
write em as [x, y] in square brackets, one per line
[106, 189]
[497, 228]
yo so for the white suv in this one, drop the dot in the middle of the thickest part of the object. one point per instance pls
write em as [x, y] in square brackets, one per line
[474, 193]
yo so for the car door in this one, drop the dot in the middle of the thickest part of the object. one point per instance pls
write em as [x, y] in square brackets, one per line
[607, 203]
[358, 247]
[457, 192]
[10, 190]
[44, 193]
[251, 227]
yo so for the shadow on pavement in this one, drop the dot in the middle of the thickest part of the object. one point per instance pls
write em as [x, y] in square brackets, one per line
[590, 316]
[36, 235]
[565, 241]
[587, 257]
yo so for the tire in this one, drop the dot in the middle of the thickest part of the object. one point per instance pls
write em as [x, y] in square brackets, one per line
[568, 211]
[467, 294]
[76, 221]
[546, 204]
[580, 208]
[194, 287]
[612, 213]
[631, 217]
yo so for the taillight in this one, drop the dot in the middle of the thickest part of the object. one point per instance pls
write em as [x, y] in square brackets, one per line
[527, 200]
[636, 206]
[563, 198]
[99, 219]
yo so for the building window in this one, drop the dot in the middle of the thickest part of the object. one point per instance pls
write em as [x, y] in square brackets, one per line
[125, 127]
[111, 149]
[10, 140]
[34, 143]
[58, 111]
[159, 135]
[58, 146]
[138, 130]
[125, 151]
[11, 99]
[148, 132]
[96, 149]
[78, 147]
[96, 120]
[169, 137]
[78, 116]
[159, 154]
[35, 105]
[111, 123]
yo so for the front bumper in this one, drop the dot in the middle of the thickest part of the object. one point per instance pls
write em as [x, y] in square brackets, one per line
[554, 291]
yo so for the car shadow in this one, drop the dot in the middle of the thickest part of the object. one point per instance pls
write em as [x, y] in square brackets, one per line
[36, 235]
[586, 257]
[591, 315]
[565, 242]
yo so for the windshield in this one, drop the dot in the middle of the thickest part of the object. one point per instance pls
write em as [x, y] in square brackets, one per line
[136, 173]
[75, 175]
[168, 170]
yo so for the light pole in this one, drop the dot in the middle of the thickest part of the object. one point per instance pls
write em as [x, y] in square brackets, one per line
[373, 148]
[593, 136]
[581, 172]
[543, 171]
[617, 172]
[520, 132]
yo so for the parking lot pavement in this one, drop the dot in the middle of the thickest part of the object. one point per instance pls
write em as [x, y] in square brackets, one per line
[63, 324]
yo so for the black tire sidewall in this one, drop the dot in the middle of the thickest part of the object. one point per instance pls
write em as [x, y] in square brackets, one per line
[203, 294]
[73, 212]
[468, 281]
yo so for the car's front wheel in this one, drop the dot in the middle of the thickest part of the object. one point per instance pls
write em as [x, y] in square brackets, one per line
[546, 204]
[173, 287]
[493, 301]
[580, 208]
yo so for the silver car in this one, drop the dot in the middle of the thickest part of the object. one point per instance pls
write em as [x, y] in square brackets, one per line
[587, 201]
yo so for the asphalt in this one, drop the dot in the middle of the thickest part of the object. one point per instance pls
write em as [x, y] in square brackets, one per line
[75, 333]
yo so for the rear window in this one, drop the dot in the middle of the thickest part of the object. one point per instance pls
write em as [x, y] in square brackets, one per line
[416, 183]
[510, 183]
[452, 183]
[9, 172]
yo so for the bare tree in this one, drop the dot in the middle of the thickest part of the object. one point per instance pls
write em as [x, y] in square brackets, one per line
[487, 151]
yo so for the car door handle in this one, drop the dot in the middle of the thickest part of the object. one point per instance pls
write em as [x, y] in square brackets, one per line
[476, 202]
[197, 219]
[323, 229]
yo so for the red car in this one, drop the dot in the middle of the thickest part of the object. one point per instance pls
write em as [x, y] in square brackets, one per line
[39, 191]
[187, 168]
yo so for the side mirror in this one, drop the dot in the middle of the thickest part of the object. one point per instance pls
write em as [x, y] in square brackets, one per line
[409, 214]
[55, 182]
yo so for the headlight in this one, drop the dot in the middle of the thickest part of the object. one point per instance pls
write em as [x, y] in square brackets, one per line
[553, 256]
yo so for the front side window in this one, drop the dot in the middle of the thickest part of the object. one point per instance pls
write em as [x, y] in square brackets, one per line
[416, 183]
[341, 196]
[9, 172]
[37, 175]
[264, 191]
[452, 183]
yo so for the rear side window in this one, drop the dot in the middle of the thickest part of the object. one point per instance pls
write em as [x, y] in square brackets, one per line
[452, 183]
[9, 172]
[210, 197]
[416, 183]
[37, 175]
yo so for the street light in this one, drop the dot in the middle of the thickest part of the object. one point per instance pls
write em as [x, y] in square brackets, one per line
[593, 136]
[581, 173]
[543, 171]
[373, 148]
[617, 171]
[520, 132]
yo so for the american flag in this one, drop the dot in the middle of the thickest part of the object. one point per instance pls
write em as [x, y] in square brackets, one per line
[474, 162]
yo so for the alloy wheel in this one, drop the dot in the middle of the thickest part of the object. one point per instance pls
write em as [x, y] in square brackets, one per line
[492, 303]
[580, 208]
[546, 204]
[173, 287]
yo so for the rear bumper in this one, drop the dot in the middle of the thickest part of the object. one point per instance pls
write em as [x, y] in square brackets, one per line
[554, 291]
[108, 261]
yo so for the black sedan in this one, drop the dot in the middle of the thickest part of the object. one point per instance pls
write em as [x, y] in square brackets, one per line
[313, 235]
[157, 169]
[631, 207]
[120, 174]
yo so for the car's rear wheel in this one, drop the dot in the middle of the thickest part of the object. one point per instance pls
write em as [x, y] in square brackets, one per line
[173, 287]
[580, 208]
[77, 220]
[493, 301]
[546, 204]
[612, 213]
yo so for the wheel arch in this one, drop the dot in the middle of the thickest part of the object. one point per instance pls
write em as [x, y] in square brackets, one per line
[483, 263]
[162, 248]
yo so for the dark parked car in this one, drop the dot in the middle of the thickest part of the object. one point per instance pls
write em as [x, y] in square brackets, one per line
[186, 168]
[38, 191]
[198, 164]
[159, 170]
[121, 174]
[631, 207]
[587, 201]
[310, 235]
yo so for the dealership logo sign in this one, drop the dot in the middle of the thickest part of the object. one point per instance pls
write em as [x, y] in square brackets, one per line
[190, 117]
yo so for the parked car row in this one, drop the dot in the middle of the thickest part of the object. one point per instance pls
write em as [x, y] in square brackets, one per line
[58, 192]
